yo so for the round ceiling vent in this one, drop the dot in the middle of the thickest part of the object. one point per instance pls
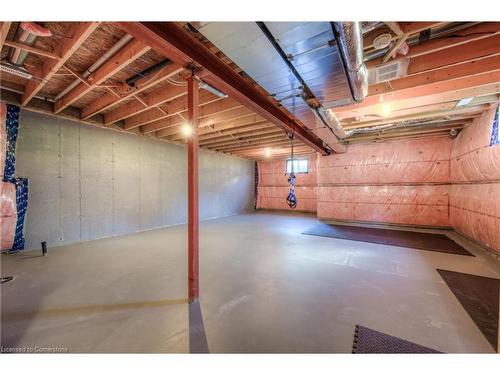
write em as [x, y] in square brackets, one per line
[382, 41]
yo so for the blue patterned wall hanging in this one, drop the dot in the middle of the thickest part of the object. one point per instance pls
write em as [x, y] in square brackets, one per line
[12, 128]
[11, 125]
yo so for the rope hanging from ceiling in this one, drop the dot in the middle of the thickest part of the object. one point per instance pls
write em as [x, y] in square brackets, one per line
[291, 199]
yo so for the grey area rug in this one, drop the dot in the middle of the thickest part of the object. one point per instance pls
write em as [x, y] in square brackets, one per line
[393, 237]
[479, 296]
[369, 341]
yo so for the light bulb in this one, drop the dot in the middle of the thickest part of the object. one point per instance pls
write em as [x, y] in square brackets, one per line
[386, 109]
[187, 130]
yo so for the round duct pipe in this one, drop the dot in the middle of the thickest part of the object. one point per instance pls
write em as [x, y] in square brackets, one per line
[26, 33]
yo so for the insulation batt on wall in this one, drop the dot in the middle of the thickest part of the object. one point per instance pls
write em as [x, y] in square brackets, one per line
[14, 190]
[475, 174]
[273, 186]
[400, 182]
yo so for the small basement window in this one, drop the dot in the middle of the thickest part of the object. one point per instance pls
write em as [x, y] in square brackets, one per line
[299, 166]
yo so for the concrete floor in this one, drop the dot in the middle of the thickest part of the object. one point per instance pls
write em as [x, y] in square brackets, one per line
[265, 288]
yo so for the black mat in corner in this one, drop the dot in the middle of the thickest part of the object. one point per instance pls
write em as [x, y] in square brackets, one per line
[392, 237]
[369, 341]
[479, 297]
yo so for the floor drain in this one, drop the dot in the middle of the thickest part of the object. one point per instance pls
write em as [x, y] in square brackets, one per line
[6, 279]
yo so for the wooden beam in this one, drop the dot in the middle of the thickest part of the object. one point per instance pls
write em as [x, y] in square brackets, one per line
[214, 107]
[245, 142]
[214, 134]
[465, 111]
[130, 52]
[157, 97]
[242, 143]
[193, 219]
[393, 50]
[211, 114]
[210, 129]
[456, 55]
[168, 109]
[407, 132]
[238, 132]
[105, 102]
[416, 27]
[481, 31]
[281, 142]
[472, 68]
[477, 85]
[394, 26]
[81, 31]
[241, 138]
[259, 154]
[176, 43]
[4, 31]
[36, 51]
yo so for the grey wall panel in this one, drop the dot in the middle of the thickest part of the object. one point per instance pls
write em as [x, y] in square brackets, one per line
[149, 179]
[96, 183]
[87, 183]
[69, 182]
[224, 186]
[39, 136]
[126, 185]
[173, 184]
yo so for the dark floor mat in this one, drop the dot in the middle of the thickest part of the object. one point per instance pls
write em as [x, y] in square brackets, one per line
[479, 297]
[415, 240]
[368, 341]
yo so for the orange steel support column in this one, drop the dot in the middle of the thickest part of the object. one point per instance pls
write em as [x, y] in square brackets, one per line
[193, 223]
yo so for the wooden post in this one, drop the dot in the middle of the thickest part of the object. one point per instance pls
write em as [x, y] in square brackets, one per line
[193, 224]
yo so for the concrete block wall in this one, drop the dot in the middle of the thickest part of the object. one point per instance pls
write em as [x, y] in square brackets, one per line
[87, 182]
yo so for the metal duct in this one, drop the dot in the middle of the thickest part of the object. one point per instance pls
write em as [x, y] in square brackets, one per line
[298, 63]
[26, 33]
[350, 40]
[126, 38]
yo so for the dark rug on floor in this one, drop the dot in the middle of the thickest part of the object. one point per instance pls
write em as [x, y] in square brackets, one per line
[368, 341]
[479, 297]
[392, 237]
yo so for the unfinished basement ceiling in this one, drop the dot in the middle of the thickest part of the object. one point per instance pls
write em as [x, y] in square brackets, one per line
[295, 62]
[429, 78]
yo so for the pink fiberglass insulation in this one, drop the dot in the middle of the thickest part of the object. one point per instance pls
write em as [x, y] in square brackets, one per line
[3, 137]
[396, 182]
[419, 160]
[417, 205]
[273, 185]
[475, 174]
[8, 215]
[472, 157]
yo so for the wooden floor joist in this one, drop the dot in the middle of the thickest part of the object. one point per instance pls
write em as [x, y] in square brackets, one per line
[170, 108]
[176, 43]
[450, 61]
[81, 31]
[108, 101]
[130, 52]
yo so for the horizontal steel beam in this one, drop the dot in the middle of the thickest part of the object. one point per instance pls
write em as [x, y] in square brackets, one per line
[176, 43]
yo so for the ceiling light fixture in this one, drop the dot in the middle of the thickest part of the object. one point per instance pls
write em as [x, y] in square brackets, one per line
[386, 109]
[186, 129]
[268, 152]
